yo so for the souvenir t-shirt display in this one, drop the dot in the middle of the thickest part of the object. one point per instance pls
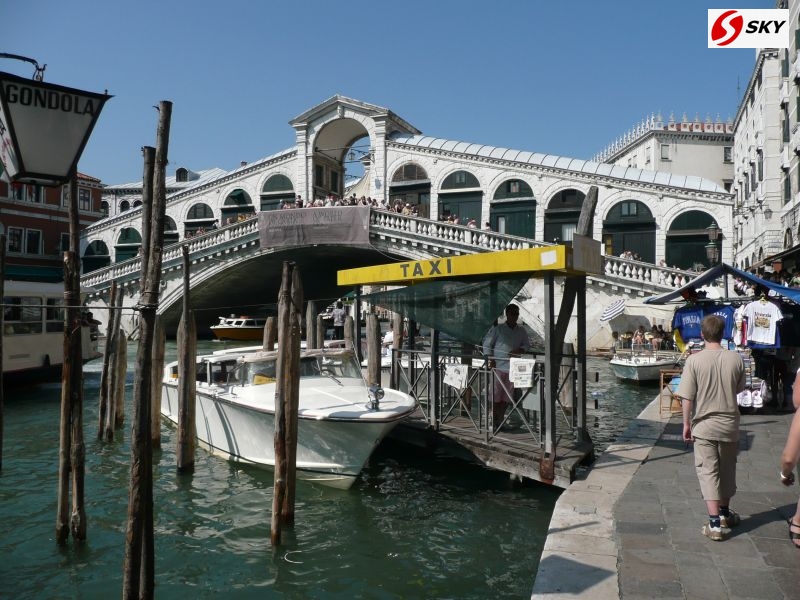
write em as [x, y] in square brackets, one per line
[762, 321]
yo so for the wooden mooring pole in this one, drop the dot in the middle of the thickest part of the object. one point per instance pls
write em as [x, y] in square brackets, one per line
[102, 406]
[139, 565]
[72, 450]
[187, 377]
[290, 302]
[270, 334]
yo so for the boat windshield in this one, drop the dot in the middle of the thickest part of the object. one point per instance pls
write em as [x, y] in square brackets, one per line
[339, 365]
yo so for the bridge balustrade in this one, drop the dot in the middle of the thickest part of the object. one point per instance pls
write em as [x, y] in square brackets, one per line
[406, 229]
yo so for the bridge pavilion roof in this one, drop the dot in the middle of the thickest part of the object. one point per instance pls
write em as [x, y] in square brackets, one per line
[172, 183]
[689, 182]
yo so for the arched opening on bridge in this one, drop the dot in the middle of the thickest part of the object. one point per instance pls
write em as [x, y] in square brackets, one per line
[104, 208]
[171, 233]
[411, 185]
[686, 240]
[340, 149]
[236, 206]
[460, 196]
[96, 256]
[128, 244]
[630, 225]
[124, 205]
[137, 203]
[561, 216]
[513, 209]
[277, 190]
[199, 219]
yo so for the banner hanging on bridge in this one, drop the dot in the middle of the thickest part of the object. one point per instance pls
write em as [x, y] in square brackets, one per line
[314, 226]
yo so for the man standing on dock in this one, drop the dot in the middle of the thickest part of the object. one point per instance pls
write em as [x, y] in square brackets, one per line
[710, 381]
[503, 341]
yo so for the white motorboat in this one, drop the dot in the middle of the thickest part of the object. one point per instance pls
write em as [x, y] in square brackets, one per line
[643, 366]
[340, 420]
[33, 331]
[240, 328]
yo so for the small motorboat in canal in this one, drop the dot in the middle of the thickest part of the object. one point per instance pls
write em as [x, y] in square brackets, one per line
[239, 328]
[643, 366]
[340, 419]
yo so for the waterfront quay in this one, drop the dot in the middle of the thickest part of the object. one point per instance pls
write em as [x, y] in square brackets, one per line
[630, 528]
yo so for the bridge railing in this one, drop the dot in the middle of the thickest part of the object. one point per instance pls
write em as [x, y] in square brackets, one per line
[458, 238]
[480, 240]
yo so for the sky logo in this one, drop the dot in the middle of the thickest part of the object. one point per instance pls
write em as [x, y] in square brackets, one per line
[748, 28]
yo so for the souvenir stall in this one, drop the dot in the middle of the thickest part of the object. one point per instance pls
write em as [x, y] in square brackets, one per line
[762, 323]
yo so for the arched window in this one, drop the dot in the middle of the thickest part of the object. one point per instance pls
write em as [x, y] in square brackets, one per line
[104, 208]
[181, 174]
[459, 198]
[513, 188]
[128, 244]
[686, 240]
[237, 206]
[124, 205]
[411, 185]
[562, 214]
[199, 219]
[137, 203]
[171, 234]
[96, 256]
[630, 227]
[460, 180]
[410, 173]
[277, 190]
[513, 209]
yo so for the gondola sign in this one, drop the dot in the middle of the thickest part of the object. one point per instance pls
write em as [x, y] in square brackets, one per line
[44, 128]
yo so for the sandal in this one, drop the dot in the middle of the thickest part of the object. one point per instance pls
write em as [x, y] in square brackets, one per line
[794, 533]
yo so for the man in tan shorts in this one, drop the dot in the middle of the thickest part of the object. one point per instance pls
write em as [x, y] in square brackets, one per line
[709, 384]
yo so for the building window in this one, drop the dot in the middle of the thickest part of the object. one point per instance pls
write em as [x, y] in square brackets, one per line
[26, 192]
[15, 239]
[787, 188]
[629, 209]
[28, 241]
[84, 199]
[647, 155]
[727, 154]
[319, 175]
[104, 208]
[664, 151]
[33, 241]
[460, 178]
[513, 187]
[760, 163]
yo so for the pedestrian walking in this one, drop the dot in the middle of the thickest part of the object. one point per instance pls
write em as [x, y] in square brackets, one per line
[710, 381]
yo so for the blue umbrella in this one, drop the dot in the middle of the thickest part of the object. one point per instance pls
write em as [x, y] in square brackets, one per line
[614, 309]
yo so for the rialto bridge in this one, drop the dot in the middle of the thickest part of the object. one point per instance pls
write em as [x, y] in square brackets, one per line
[526, 198]
[231, 268]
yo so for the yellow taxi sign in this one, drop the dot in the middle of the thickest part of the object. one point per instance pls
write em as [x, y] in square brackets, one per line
[528, 260]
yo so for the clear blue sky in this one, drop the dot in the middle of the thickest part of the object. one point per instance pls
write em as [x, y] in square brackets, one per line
[552, 76]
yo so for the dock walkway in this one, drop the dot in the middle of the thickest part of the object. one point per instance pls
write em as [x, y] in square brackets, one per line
[631, 527]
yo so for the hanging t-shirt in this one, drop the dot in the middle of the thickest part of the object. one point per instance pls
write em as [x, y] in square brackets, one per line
[762, 321]
[739, 324]
[688, 321]
[727, 313]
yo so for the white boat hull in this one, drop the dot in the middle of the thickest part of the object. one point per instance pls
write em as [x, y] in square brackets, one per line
[333, 442]
[641, 368]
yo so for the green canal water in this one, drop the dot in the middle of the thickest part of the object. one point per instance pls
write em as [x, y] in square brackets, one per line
[414, 525]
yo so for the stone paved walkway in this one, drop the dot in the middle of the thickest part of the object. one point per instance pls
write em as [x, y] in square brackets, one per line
[631, 528]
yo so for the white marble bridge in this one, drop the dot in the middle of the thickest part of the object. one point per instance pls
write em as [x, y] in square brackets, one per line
[232, 272]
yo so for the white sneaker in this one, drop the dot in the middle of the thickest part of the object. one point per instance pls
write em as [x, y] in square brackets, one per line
[717, 534]
[732, 520]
